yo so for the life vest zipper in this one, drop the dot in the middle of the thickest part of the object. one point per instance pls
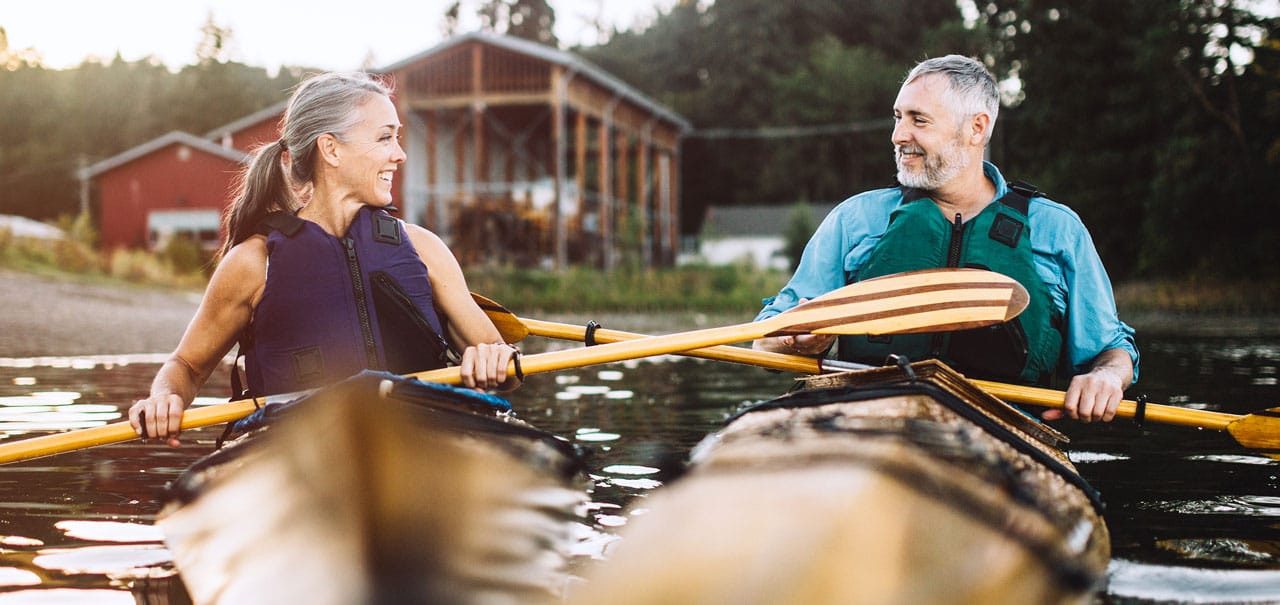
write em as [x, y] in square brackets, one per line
[362, 303]
[957, 237]
[938, 341]
[389, 287]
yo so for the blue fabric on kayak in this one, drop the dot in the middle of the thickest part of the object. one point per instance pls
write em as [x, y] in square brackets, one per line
[401, 386]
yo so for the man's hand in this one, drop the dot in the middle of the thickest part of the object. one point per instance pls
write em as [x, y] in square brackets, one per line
[1095, 395]
[799, 344]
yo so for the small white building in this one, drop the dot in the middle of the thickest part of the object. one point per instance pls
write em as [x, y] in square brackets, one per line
[23, 227]
[755, 235]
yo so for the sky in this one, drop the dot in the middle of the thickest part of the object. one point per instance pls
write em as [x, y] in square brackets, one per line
[325, 34]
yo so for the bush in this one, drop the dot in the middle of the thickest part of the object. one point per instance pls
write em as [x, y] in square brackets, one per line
[184, 255]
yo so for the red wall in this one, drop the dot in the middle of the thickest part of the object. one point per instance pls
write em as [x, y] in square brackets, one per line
[166, 179]
[253, 136]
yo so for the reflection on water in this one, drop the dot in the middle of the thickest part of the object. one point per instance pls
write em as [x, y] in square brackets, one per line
[1192, 516]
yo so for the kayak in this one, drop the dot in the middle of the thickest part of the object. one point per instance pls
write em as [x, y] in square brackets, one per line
[894, 485]
[379, 489]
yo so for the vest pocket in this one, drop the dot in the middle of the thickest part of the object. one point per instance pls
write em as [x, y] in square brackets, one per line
[409, 343]
[995, 352]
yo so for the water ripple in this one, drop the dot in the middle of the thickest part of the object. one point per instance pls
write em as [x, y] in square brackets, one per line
[1251, 505]
[1192, 585]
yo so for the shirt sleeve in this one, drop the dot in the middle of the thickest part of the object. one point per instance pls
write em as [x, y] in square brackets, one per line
[1093, 324]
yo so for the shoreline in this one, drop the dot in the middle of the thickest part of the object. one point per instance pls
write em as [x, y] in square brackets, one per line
[48, 316]
[51, 316]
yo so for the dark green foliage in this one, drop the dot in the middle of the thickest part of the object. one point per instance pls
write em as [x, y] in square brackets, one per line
[56, 121]
[1136, 116]
[828, 66]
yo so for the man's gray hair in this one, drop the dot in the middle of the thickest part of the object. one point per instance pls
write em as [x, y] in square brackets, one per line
[972, 88]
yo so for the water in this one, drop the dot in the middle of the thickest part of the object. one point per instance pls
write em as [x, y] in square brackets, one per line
[1194, 518]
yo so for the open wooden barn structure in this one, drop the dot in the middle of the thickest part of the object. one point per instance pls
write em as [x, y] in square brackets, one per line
[523, 153]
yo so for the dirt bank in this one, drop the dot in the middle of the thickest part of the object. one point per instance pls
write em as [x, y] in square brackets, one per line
[60, 316]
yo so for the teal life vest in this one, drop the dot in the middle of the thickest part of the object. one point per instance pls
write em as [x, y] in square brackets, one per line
[1027, 349]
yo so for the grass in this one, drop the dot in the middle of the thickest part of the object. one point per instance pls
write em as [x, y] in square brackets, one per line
[180, 265]
[736, 289]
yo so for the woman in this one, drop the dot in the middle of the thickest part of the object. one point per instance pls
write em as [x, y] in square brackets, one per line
[317, 291]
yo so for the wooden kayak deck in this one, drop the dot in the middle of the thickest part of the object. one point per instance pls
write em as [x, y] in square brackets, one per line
[868, 487]
[379, 490]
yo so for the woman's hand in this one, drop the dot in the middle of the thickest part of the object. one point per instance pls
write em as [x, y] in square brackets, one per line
[159, 416]
[484, 366]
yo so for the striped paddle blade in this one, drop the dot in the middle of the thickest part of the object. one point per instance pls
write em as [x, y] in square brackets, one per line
[931, 300]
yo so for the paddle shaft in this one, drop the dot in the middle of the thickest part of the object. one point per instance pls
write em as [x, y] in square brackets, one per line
[116, 432]
[1164, 414]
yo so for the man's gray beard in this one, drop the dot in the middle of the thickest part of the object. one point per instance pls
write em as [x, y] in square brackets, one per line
[939, 168]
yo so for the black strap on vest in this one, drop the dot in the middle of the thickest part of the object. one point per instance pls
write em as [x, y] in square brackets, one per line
[284, 222]
[1019, 196]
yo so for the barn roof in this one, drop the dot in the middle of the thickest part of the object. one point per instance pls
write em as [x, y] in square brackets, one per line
[157, 144]
[550, 54]
[276, 110]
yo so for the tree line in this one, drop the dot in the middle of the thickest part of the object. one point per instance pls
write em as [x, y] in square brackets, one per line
[1158, 121]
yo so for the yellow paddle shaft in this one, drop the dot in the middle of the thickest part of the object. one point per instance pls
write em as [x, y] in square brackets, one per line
[807, 365]
[116, 432]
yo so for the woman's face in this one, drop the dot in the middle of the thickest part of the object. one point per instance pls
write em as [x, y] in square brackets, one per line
[370, 152]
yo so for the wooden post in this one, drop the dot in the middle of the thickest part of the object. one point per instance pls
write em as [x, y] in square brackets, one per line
[560, 85]
[433, 217]
[481, 175]
[642, 198]
[580, 167]
[622, 181]
[605, 213]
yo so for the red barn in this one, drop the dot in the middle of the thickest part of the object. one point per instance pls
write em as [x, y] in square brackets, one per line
[177, 183]
[250, 131]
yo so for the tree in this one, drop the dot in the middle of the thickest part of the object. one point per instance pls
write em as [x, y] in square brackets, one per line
[761, 67]
[1132, 117]
[528, 19]
[215, 42]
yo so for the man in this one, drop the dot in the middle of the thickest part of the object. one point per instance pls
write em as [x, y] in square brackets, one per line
[954, 209]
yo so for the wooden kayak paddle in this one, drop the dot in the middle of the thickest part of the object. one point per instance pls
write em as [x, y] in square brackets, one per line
[1257, 431]
[918, 301]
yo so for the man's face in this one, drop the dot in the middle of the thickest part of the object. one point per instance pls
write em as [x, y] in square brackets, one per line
[928, 138]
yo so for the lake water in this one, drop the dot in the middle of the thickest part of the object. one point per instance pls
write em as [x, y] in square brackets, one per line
[1193, 517]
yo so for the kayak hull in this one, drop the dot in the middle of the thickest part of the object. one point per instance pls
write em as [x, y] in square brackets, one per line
[360, 495]
[867, 488]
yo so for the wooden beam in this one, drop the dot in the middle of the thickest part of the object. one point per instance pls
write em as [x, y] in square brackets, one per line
[622, 180]
[433, 218]
[605, 213]
[642, 200]
[580, 167]
[478, 131]
[493, 99]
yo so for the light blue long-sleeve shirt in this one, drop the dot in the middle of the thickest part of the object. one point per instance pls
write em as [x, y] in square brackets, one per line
[1065, 259]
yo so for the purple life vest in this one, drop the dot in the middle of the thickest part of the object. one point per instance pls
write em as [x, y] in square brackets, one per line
[335, 306]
